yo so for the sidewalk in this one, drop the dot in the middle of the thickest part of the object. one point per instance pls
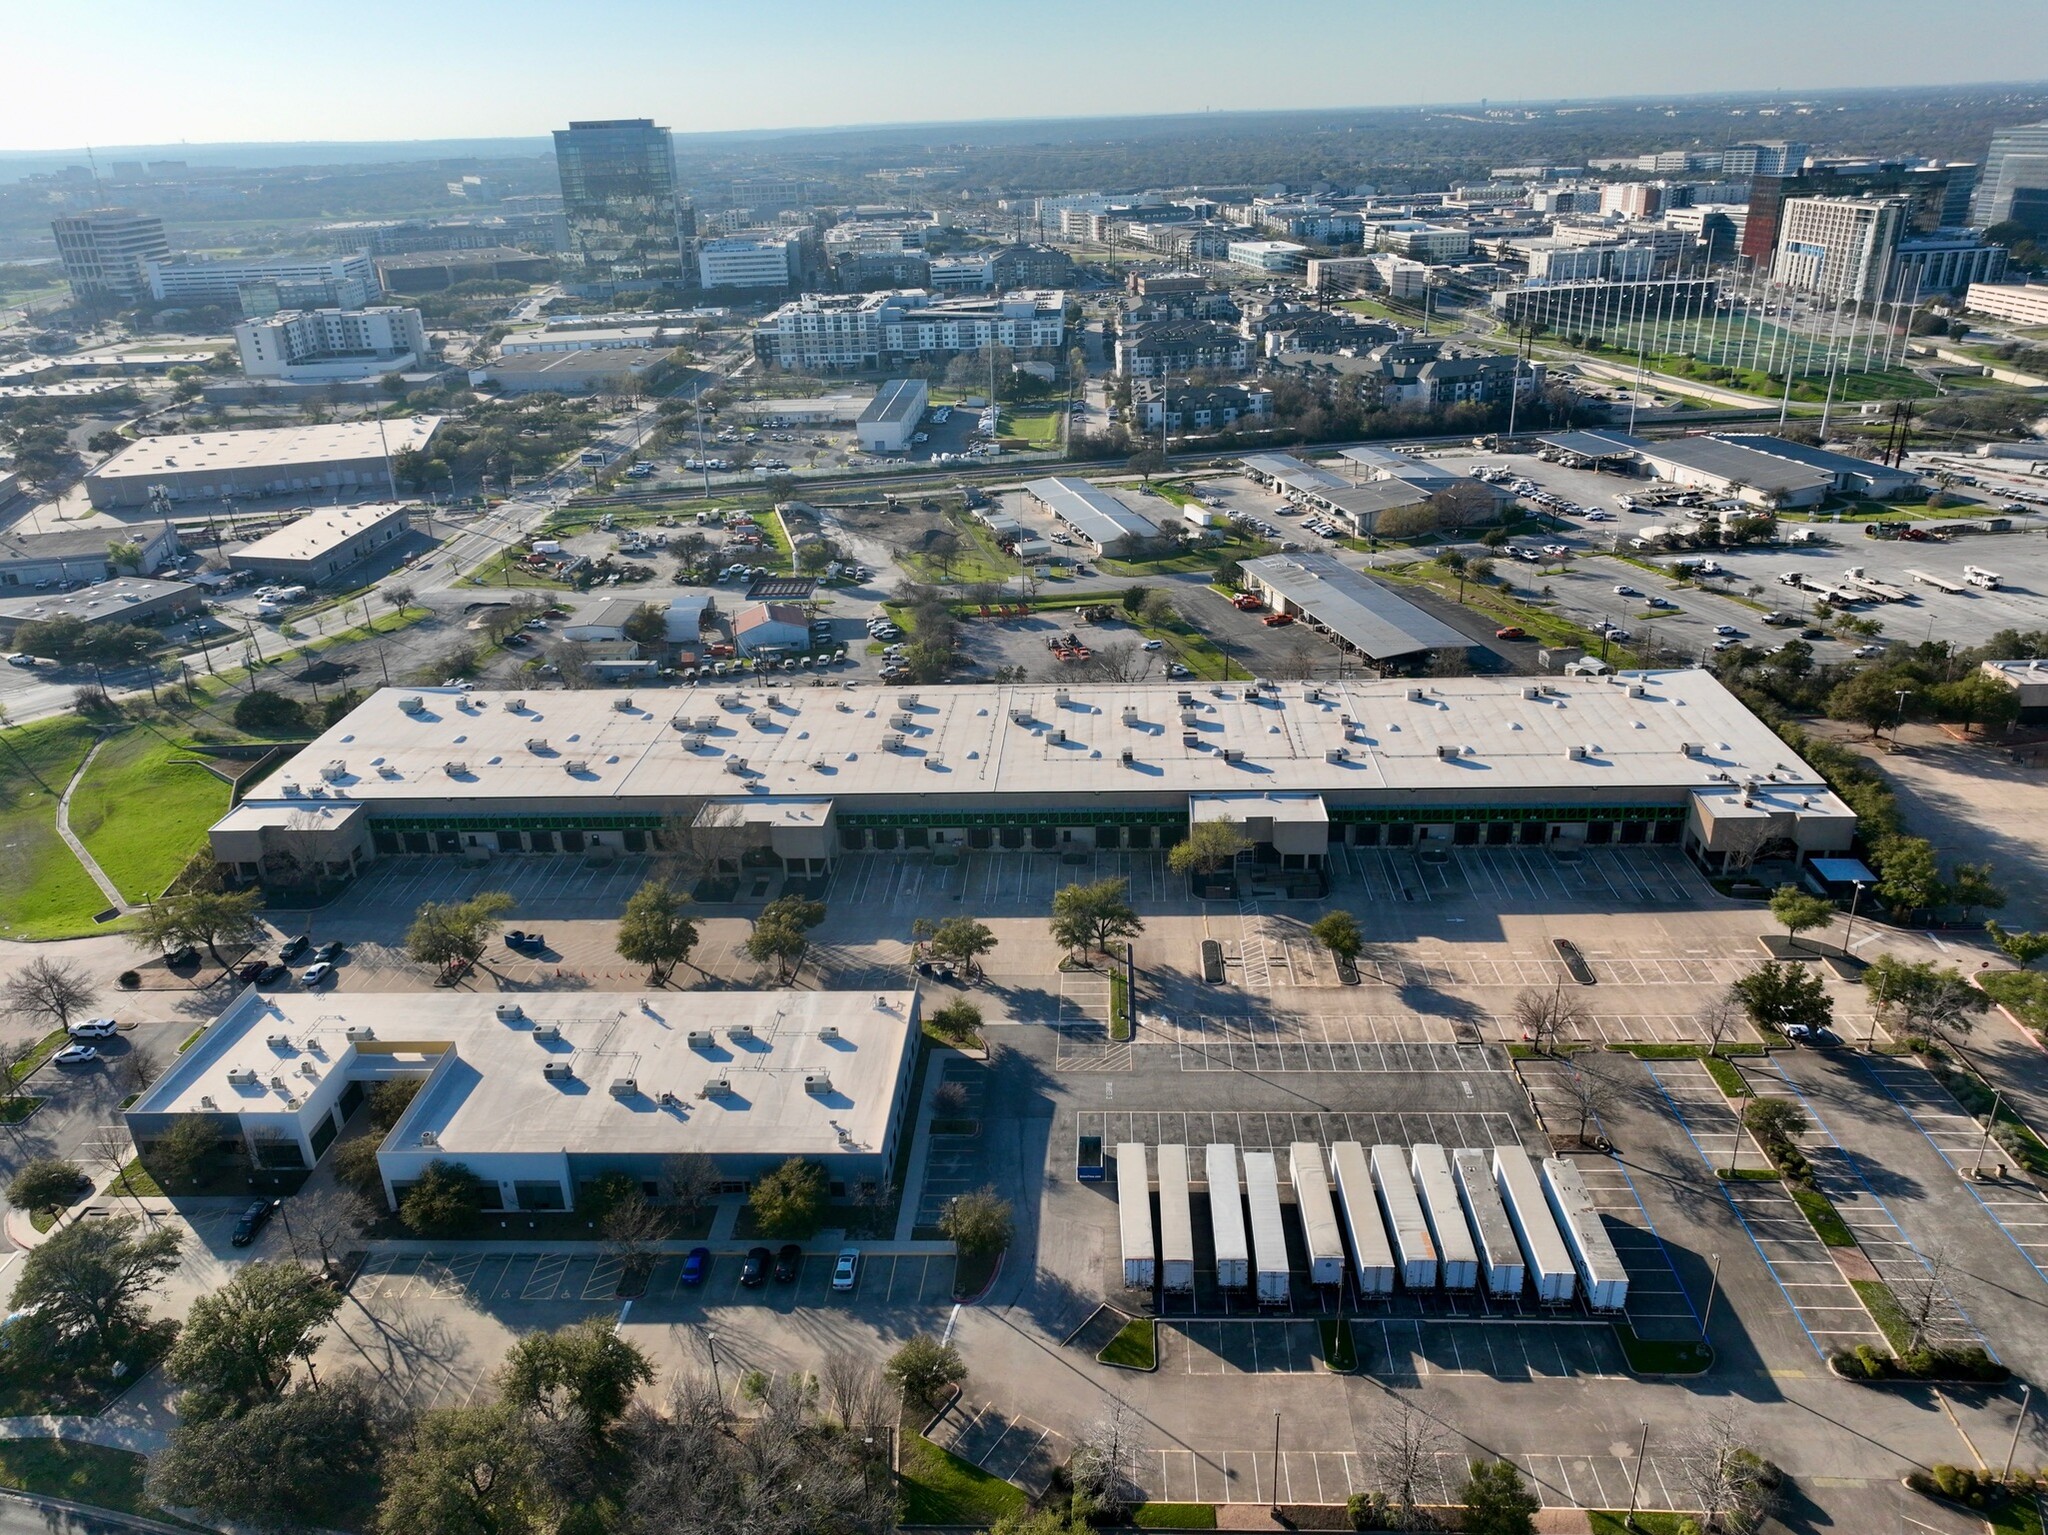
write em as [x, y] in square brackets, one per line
[99, 876]
[140, 1422]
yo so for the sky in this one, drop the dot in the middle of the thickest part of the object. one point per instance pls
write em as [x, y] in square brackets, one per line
[118, 72]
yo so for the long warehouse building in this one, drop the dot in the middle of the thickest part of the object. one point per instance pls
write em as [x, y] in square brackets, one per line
[269, 461]
[1382, 626]
[803, 777]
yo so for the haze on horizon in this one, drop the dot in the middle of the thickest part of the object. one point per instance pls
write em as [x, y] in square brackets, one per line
[122, 72]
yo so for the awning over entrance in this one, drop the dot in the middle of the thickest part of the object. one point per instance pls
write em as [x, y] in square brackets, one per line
[1291, 823]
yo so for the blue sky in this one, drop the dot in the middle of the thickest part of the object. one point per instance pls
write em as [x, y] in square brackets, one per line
[146, 72]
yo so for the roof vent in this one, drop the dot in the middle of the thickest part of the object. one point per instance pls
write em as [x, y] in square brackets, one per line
[335, 771]
[536, 743]
[412, 703]
[817, 1082]
[547, 1033]
[456, 769]
[557, 1071]
[1415, 695]
[509, 1012]
[702, 1039]
[576, 766]
[625, 1087]
[358, 1031]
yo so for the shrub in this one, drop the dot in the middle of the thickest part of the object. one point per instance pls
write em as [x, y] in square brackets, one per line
[1368, 1511]
[128, 980]
[446, 1201]
[262, 712]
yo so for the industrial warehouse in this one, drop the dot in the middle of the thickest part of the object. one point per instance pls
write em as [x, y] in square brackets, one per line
[272, 461]
[540, 1096]
[803, 776]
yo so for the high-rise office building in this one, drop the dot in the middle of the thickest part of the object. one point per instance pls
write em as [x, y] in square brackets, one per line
[1939, 196]
[105, 252]
[626, 228]
[1840, 248]
[2015, 182]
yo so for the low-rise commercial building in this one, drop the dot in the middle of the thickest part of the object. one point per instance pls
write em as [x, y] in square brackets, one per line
[343, 455]
[273, 282]
[541, 1096]
[325, 543]
[123, 600]
[1850, 475]
[2021, 303]
[317, 345]
[1767, 481]
[1384, 628]
[891, 418]
[430, 271]
[68, 557]
[590, 370]
[1268, 255]
[2027, 679]
[1093, 515]
[771, 626]
[602, 620]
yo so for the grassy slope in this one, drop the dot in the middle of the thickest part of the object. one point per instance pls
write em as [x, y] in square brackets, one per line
[85, 1473]
[143, 809]
[941, 1488]
[46, 892]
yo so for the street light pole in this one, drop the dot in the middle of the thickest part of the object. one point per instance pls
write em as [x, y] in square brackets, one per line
[1635, 1483]
[1990, 1124]
[2026, 1394]
[1713, 1289]
[1858, 896]
[1276, 1463]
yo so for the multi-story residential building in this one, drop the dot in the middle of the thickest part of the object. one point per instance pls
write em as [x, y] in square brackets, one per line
[1840, 248]
[2015, 182]
[860, 271]
[1585, 306]
[1197, 408]
[1415, 372]
[305, 345]
[759, 260]
[1422, 241]
[1778, 157]
[1569, 261]
[106, 253]
[1947, 262]
[1031, 266]
[962, 274]
[855, 332]
[267, 284]
[1938, 196]
[627, 227]
[1632, 199]
[1180, 347]
[1309, 221]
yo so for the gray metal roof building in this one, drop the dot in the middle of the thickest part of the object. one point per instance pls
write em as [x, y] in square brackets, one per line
[1365, 615]
[1093, 513]
[1726, 468]
[1858, 475]
[891, 417]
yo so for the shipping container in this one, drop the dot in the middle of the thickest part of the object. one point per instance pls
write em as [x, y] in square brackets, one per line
[1601, 1275]
[1457, 1259]
[1371, 1256]
[1176, 1225]
[1226, 1217]
[1414, 1252]
[1548, 1260]
[1134, 1207]
[1318, 1214]
[1269, 1237]
[1088, 1159]
[1500, 1259]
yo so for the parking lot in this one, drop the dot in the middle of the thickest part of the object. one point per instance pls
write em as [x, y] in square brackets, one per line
[1255, 1476]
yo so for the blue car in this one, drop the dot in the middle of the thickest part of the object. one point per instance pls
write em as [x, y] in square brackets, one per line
[696, 1264]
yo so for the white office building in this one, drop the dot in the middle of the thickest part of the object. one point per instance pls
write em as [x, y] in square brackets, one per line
[107, 252]
[748, 261]
[1839, 248]
[2021, 303]
[1569, 261]
[1268, 255]
[312, 345]
[1419, 240]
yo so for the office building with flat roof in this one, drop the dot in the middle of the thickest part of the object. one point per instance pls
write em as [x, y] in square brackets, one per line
[325, 543]
[106, 253]
[72, 555]
[543, 1094]
[321, 345]
[270, 461]
[760, 260]
[123, 600]
[265, 284]
[619, 196]
[2020, 303]
[2014, 186]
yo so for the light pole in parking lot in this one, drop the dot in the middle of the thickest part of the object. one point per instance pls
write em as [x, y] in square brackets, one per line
[1858, 896]
[1635, 1483]
[711, 1344]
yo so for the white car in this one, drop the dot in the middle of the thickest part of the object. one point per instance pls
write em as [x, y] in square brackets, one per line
[1153, 645]
[1727, 631]
[314, 975]
[76, 1055]
[93, 1028]
[846, 1269]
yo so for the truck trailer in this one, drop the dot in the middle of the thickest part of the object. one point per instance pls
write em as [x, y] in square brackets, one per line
[1500, 1259]
[1269, 1236]
[1604, 1280]
[1318, 1215]
[1457, 1258]
[1414, 1252]
[1939, 583]
[1134, 1212]
[1176, 1223]
[1226, 1216]
[1547, 1260]
[1372, 1256]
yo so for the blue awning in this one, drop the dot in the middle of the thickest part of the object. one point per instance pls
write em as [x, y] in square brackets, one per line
[1843, 871]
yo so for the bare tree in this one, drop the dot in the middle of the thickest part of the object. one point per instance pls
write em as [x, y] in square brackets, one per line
[1729, 1483]
[634, 1230]
[324, 1222]
[51, 991]
[699, 841]
[1105, 1460]
[571, 661]
[1401, 1450]
[1717, 1018]
[1543, 1017]
[1298, 664]
[1589, 1096]
[691, 1180]
[1924, 1298]
[108, 1151]
[858, 1395]
[1116, 661]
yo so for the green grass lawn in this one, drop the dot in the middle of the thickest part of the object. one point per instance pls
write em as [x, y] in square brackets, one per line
[1722, 1070]
[1610, 1522]
[1822, 1215]
[84, 1473]
[1206, 556]
[1038, 427]
[1884, 1310]
[48, 893]
[941, 1488]
[143, 809]
[135, 1180]
[1135, 1347]
[1175, 1516]
[1338, 1352]
[1543, 626]
[14, 1110]
[46, 1047]
[1119, 1006]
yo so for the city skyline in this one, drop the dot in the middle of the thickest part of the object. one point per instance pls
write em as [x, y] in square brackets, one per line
[127, 81]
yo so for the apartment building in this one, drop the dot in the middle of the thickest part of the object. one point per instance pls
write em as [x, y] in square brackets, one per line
[1180, 347]
[304, 346]
[758, 260]
[106, 253]
[1197, 407]
[853, 332]
[1839, 248]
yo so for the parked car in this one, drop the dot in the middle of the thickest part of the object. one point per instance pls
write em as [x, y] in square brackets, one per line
[270, 975]
[245, 973]
[182, 958]
[696, 1264]
[789, 1259]
[315, 975]
[1810, 1034]
[1511, 632]
[252, 1220]
[76, 1055]
[846, 1270]
[516, 939]
[754, 1271]
[293, 947]
[1153, 645]
[93, 1028]
[331, 950]
[1728, 631]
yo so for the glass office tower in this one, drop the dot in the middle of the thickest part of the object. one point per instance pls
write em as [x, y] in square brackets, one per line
[619, 199]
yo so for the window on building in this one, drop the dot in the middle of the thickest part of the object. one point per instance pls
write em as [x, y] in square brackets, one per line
[538, 1194]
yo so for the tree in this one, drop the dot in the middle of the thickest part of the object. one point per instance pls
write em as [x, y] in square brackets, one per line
[634, 1229]
[1105, 1462]
[1208, 846]
[295, 1463]
[781, 934]
[1775, 1121]
[1908, 877]
[959, 1019]
[1800, 912]
[241, 1340]
[1778, 995]
[445, 1201]
[325, 1221]
[1497, 1501]
[691, 1179]
[1589, 1095]
[45, 1185]
[208, 917]
[1722, 1476]
[790, 1200]
[1338, 932]
[923, 1367]
[357, 1169]
[91, 1277]
[1401, 1454]
[183, 1155]
[700, 841]
[1924, 996]
[962, 941]
[656, 930]
[978, 1223]
[1976, 700]
[452, 934]
[265, 712]
[1543, 1017]
[1923, 1297]
[464, 1471]
[1091, 916]
[1133, 598]
[1157, 611]
[1870, 699]
[1970, 887]
[50, 991]
[587, 1364]
[2021, 948]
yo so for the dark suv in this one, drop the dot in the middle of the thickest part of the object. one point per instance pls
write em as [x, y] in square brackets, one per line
[253, 1220]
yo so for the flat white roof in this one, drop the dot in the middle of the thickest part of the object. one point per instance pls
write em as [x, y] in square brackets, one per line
[101, 600]
[319, 531]
[268, 448]
[492, 1097]
[642, 752]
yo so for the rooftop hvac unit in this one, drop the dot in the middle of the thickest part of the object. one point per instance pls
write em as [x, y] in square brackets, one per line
[829, 1031]
[625, 1087]
[692, 742]
[907, 700]
[1189, 718]
[1059, 698]
[1233, 754]
[278, 1041]
[820, 764]
[727, 700]
[1128, 757]
[817, 1082]
[1187, 699]
[576, 765]
[412, 703]
[760, 719]
[557, 1071]
[934, 761]
[277, 1084]
[1336, 754]
[208, 1103]
[291, 1102]
[536, 743]
[1130, 715]
[308, 1069]
[1415, 695]
[428, 1138]
[508, 1012]
[740, 1031]
[1689, 748]
[546, 1032]
[1532, 691]
[1058, 738]
[386, 770]
[1020, 716]
[623, 705]
[716, 1087]
[516, 705]
[1190, 740]
[335, 771]
[293, 791]
[358, 1031]
[1637, 690]
[892, 742]
[1576, 753]
[735, 764]
[702, 1039]
[241, 1076]
[1449, 753]
[670, 1101]
[899, 721]
[456, 768]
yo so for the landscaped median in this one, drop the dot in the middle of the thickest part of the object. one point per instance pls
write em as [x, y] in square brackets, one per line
[1135, 1346]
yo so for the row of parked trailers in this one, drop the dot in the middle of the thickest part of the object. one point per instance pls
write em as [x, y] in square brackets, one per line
[1417, 1219]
